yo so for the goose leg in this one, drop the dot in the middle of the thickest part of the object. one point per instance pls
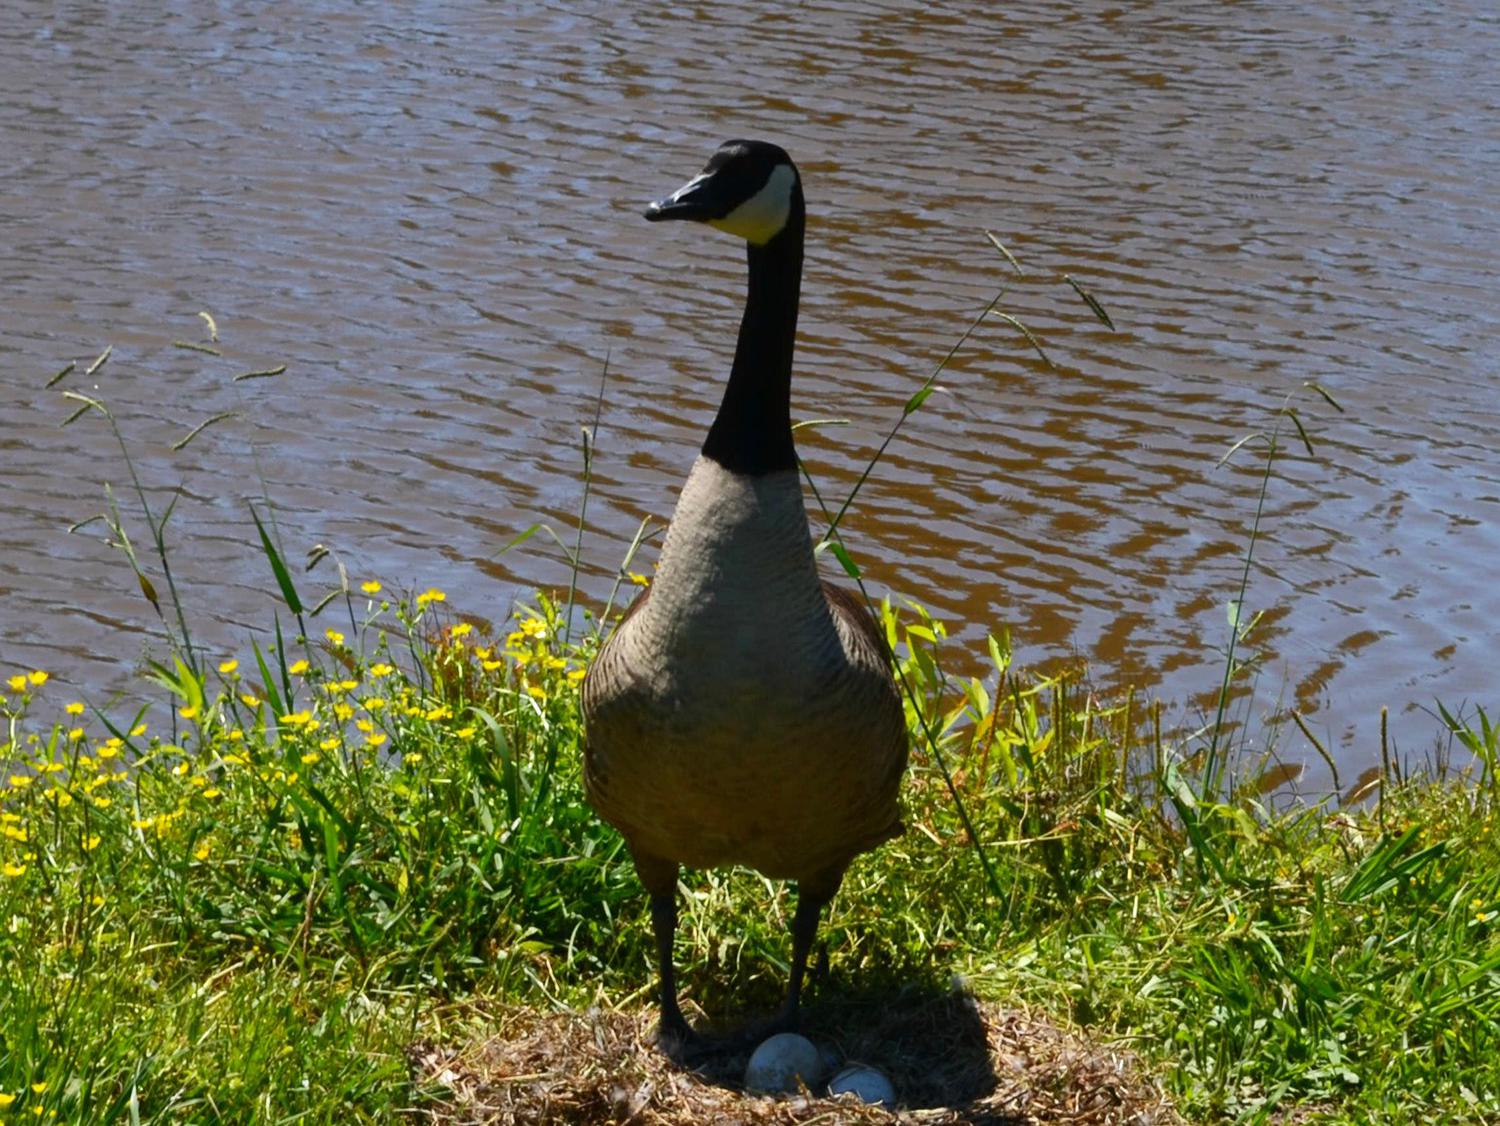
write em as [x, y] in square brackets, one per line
[813, 894]
[660, 878]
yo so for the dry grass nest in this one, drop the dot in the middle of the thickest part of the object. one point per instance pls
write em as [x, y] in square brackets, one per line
[952, 1059]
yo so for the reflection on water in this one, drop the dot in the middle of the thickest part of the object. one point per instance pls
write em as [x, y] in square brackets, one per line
[432, 215]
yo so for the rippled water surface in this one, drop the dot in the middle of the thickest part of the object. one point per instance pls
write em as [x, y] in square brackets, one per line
[431, 214]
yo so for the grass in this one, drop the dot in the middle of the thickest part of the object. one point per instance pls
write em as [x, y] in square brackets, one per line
[368, 834]
[342, 842]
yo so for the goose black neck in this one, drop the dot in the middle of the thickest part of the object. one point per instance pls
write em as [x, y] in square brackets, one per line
[752, 433]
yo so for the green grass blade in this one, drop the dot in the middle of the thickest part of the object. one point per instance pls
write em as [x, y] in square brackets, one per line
[278, 568]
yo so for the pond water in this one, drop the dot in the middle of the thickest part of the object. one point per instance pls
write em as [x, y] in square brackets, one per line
[431, 214]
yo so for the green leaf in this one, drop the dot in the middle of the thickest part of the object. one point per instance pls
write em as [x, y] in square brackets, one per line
[522, 538]
[845, 560]
[278, 568]
[268, 683]
[915, 402]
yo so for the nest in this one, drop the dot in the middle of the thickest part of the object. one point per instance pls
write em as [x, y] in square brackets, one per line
[952, 1059]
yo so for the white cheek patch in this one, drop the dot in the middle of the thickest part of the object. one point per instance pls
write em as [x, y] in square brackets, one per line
[761, 217]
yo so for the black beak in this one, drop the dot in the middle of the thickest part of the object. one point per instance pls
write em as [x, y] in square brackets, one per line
[697, 199]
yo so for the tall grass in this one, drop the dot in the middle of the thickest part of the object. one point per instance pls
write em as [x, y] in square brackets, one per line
[352, 833]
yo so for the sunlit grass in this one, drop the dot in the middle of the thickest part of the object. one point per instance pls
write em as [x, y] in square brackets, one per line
[252, 913]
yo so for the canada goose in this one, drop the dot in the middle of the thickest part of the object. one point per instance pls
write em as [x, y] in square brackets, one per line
[744, 712]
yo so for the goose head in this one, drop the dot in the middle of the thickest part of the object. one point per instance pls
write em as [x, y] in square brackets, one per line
[748, 188]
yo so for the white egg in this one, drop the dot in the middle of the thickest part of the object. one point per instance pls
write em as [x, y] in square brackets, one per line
[780, 1061]
[865, 1083]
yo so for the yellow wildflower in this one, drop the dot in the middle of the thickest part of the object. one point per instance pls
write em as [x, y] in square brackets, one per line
[50, 768]
[371, 587]
[180, 769]
[189, 712]
[38, 677]
[201, 852]
[414, 758]
[376, 739]
[466, 732]
[536, 692]
[434, 715]
[575, 675]
[103, 802]
[534, 627]
[13, 871]
[432, 594]
[17, 683]
[236, 736]
[6, 1100]
[639, 580]
[20, 781]
[481, 652]
[110, 749]
[137, 731]
[310, 758]
[334, 636]
[75, 734]
[329, 744]
[297, 719]
[198, 781]
[463, 629]
[297, 668]
[343, 712]
[374, 703]
[212, 792]
[75, 708]
[491, 666]
[142, 822]
[227, 667]
[364, 725]
[380, 670]
[38, 1088]
[91, 842]
[249, 701]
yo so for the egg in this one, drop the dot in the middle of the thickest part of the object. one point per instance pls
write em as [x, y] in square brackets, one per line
[865, 1083]
[776, 1066]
